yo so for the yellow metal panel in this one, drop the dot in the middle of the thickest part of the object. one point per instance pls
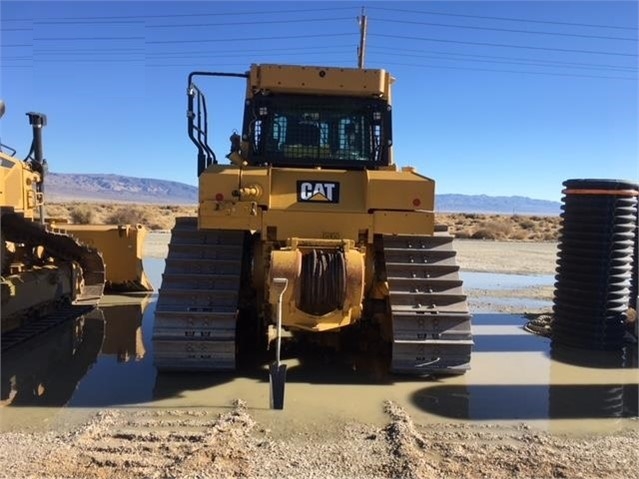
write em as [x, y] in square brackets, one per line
[17, 186]
[219, 180]
[400, 190]
[321, 224]
[122, 248]
[228, 215]
[352, 188]
[258, 175]
[320, 80]
[288, 264]
[37, 290]
[404, 223]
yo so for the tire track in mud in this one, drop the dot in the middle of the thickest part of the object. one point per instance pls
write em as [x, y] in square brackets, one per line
[157, 444]
[196, 443]
[409, 452]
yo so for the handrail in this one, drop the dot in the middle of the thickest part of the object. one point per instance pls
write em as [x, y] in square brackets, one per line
[197, 119]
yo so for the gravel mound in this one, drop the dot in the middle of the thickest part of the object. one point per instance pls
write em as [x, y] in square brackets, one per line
[185, 443]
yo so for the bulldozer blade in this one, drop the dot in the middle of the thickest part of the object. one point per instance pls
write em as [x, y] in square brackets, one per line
[121, 247]
[277, 380]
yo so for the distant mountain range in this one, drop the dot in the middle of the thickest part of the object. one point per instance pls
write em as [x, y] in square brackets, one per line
[512, 205]
[64, 187]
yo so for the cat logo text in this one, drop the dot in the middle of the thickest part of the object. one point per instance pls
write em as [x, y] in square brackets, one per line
[318, 191]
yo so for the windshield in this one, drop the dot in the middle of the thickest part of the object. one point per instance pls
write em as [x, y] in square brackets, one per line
[318, 131]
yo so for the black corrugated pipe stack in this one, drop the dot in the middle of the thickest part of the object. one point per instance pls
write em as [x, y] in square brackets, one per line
[597, 264]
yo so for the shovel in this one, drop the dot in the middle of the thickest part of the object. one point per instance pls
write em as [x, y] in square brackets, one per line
[277, 370]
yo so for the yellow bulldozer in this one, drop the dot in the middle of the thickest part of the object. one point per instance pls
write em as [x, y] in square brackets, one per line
[310, 230]
[48, 266]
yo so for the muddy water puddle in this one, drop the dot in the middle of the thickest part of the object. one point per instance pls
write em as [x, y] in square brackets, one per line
[502, 281]
[106, 360]
[491, 292]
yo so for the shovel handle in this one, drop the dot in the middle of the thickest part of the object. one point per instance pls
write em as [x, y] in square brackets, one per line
[279, 285]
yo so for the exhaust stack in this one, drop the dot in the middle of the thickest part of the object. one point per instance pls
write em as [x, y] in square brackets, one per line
[38, 121]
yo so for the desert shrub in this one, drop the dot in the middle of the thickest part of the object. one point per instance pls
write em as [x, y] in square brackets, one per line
[56, 211]
[82, 214]
[527, 224]
[154, 225]
[127, 216]
[484, 233]
[499, 227]
[519, 235]
[458, 233]
[493, 230]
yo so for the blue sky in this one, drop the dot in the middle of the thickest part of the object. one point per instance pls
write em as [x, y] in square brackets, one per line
[499, 98]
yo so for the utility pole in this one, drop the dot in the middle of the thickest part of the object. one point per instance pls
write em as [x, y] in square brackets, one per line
[361, 51]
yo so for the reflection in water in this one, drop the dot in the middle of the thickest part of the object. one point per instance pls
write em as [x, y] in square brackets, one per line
[501, 281]
[588, 358]
[124, 372]
[123, 331]
[582, 384]
[52, 368]
[318, 365]
[613, 400]
[45, 370]
[509, 343]
[527, 401]
[174, 384]
[587, 401]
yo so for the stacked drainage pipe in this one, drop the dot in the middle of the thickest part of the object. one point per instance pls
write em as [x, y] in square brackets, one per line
[597, 264]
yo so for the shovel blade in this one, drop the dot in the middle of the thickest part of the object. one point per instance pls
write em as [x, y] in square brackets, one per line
[277, 380]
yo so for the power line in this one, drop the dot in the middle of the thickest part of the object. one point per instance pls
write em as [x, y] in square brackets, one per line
[375, 47]
[81, 60]
[509, 71]
[88, 22]
[488, 44]
[268, 22]
[136, 50]
[190, 25]
[511, 19]
[141, 56]
[175, 15]
[91, 51]
[234, 54]
[292, 37]
[509, 30]
[168, 56]
[252, 50]
[338, 63]
[49, 39]
[530, 63]
[207, 40]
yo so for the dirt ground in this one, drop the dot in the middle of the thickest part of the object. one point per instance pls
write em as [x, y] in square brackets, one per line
[462, 225]
[198, 443]
[511, 257]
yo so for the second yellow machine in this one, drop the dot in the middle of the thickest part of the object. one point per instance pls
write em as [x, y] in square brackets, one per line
[311, 218]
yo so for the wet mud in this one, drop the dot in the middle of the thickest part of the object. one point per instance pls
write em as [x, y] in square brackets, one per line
[86, 401]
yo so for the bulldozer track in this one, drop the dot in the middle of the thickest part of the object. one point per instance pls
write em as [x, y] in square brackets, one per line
[64, 313]
[430, 316]
[197, 308]
[60, 245]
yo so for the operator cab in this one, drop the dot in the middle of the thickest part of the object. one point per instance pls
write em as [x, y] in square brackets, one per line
[313, 131]
[304, 117]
